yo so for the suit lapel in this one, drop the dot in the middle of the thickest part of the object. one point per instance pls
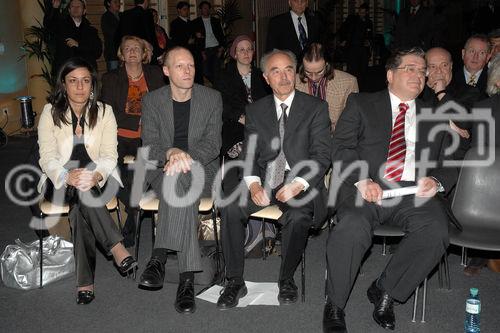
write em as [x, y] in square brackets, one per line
[291, 27]
[295, 115]
[167, 114]
[195, 116]
[386, 116]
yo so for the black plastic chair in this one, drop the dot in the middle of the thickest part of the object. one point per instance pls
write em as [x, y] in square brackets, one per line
[476, 205]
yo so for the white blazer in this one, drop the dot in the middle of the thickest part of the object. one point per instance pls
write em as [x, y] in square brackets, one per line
[56, 145]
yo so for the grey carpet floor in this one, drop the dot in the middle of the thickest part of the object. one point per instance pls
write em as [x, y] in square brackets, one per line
[121, 307]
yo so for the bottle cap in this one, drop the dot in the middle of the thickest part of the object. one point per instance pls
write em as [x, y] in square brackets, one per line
[474, 291]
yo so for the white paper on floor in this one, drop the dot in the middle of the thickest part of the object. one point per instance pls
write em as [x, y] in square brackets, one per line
[259, 293]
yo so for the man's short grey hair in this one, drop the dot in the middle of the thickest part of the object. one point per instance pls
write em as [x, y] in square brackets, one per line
[481, 37]
[265, 58]
[493, 76]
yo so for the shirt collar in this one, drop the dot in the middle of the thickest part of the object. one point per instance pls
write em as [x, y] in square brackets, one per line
[395, 101]
[295, 16]
[468, 74]
[288, 101]
[185, 19]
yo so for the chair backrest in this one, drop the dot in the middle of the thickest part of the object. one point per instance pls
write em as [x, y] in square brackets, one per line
[477, 196]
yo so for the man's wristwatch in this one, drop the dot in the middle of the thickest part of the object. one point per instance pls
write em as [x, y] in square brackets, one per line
[440, 187]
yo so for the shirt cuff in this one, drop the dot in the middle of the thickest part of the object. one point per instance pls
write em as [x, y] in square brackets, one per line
[251, 179]
[302, 181]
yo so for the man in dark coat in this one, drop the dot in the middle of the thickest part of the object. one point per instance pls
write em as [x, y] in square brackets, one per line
[74, 36]
[293, 30]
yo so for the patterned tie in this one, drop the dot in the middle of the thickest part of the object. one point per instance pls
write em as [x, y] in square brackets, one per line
[277, 167]
[302, 33]
[315, 89]
[472, 80]
[397, 147]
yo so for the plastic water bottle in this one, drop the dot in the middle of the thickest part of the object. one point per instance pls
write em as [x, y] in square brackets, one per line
[472, 312]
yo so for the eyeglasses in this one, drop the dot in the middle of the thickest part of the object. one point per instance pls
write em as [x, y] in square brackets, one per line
[413, 70]
[249, 50]
[479, 53]
[320, 73]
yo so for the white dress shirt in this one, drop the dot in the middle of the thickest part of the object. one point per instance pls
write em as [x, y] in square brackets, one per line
[288, 101]
[210, 40]
[410, 134]
[295, 19]
[468, 75]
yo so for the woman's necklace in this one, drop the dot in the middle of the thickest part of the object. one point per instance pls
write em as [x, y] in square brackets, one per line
[135, 78]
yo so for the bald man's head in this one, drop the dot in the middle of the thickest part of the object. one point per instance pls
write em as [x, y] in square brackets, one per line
[439, 66]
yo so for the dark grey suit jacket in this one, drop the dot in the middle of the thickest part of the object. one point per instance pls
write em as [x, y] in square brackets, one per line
[363, 133]
[204, 132]
[307, 137]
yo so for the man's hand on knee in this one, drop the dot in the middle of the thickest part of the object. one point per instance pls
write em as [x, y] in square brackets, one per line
[370, 191]
[258, 194]
[289, 191]
[178, 161]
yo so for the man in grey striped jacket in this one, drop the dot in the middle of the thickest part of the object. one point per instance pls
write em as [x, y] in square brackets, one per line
[181, 128]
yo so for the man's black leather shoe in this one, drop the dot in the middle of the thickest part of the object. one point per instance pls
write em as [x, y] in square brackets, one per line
[85, 297]
[231, 295]
[184, 301]
[333, 319]
[288, 291]
[383, 312]
[153, 275]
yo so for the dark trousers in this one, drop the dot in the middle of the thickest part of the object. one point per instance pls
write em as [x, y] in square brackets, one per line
[426, 226]
[88, 226]
[211, 64]
[296, 223]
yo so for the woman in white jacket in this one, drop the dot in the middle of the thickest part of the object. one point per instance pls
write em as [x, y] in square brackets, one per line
[78, 156]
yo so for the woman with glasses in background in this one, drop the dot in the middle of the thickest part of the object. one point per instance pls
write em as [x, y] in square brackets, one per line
[317, 77]
[240, 83]
[123, 89]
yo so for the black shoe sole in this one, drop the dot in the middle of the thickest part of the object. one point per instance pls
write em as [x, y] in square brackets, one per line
[287, 301]
[148, 285]
[190, 311]
[387, 327]
[223, 307]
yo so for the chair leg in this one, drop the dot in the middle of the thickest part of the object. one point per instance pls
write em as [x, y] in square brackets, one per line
[440, 273]
[218, 265]
[264, 248]
[326, 284]
[153, 231]
[138, 222]
[303, 275]
[464, 256]
[119, 217]
[446, 271]
[424, 299]
[415, 302]
[40, 239]
[384, 246]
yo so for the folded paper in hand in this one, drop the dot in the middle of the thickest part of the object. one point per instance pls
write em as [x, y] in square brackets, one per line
[399, 192]
[259, 293]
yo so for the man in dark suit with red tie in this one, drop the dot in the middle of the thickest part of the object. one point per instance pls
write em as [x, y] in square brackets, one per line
[293, 30]
[380, 131]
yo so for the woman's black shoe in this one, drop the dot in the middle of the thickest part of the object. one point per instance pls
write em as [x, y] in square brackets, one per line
[127, 265]
[85, 297]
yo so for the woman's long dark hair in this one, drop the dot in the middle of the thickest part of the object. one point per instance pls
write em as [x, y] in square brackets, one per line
[59, 98]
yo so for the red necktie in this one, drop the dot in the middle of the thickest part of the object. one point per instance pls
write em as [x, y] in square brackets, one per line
[397, 147]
